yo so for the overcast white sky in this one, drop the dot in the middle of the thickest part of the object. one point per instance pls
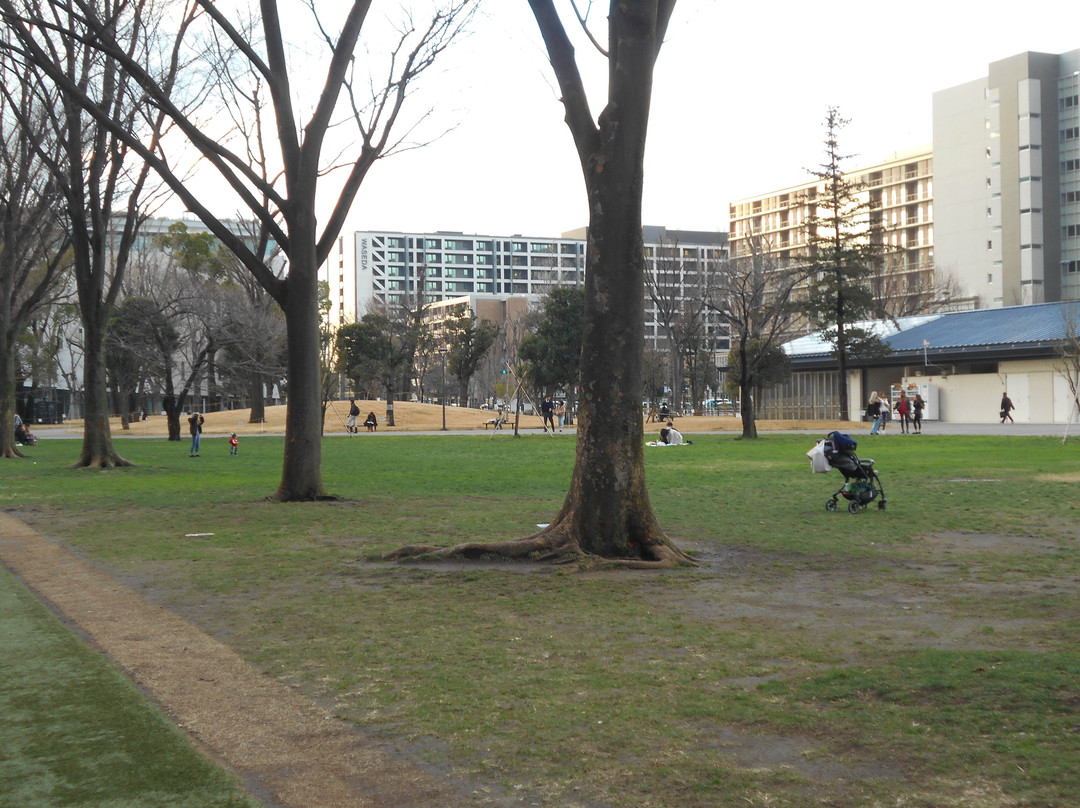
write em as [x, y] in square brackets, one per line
[740, 93]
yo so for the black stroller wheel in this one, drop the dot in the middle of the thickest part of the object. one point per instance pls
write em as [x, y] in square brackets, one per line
[830, 505]
[881, 505]
[853, 507]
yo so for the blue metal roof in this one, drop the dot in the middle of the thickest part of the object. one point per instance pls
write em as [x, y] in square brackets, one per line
[1011, 326]
[815, 344]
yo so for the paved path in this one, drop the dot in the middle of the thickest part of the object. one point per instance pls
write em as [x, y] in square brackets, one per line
[288, 751]
[929, 428]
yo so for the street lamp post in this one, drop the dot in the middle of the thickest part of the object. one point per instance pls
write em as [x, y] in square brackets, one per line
[442, 356]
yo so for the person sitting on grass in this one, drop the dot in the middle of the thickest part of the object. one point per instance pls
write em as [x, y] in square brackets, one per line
[670, 436]
[371, 422]
[674, 437]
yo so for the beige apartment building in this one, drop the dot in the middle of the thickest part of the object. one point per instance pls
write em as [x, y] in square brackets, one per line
[899, 194]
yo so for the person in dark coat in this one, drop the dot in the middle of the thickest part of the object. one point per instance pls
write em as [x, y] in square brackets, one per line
[917, 408]
[354, 413]
[1006, 408]
[547, 410]
[195, 425]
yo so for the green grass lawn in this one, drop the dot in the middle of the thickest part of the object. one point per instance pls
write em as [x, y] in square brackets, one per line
[76, 732]
[925, 655]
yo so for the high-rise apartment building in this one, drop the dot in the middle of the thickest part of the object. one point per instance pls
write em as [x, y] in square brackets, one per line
[898, 194]
[373, 269]
[993, 207]
[369, 269]
[1007, 180]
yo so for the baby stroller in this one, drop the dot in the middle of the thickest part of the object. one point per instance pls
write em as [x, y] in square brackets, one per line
[862, 484]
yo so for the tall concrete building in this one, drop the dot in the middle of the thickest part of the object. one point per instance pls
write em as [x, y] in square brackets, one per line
[1007, 180]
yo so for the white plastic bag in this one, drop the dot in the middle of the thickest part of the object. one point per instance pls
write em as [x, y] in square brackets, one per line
[818, 463]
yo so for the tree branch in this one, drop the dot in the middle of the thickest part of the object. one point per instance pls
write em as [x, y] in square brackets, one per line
[576, 103]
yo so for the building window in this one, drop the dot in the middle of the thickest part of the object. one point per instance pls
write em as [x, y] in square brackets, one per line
[989, 277]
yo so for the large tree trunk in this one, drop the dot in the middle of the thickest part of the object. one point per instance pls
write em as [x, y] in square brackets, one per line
[97, 447]
[607, 512]
[258, 402]
[746, 411]
[301, 477]
[173, 406]
[8, 446]
[746, 394]
[390, 405]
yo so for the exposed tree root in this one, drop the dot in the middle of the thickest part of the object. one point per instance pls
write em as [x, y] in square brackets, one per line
[102, 461]
[555, 544]
[12, 452]
[320, 497]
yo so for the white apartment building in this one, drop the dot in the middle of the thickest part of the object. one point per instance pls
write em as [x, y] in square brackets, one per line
[370, 269]
[373, 269]
[1007, 177]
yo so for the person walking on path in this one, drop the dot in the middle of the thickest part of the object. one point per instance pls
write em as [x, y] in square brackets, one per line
[560, 414]
[354, 412]
[547, 410]
[195, 425]
[917, 407]
[1006, 408]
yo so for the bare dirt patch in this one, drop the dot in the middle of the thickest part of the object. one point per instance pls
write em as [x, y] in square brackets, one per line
[414, 417]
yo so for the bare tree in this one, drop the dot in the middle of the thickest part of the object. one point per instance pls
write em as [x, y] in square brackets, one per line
[285, 204]
[904, 292]
[607, 512]
[754, 298]
[504, 365]
[1068, 364]
[254, 342]
[191, 313]
[103, 119]
[679, 292]
[33, 243]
